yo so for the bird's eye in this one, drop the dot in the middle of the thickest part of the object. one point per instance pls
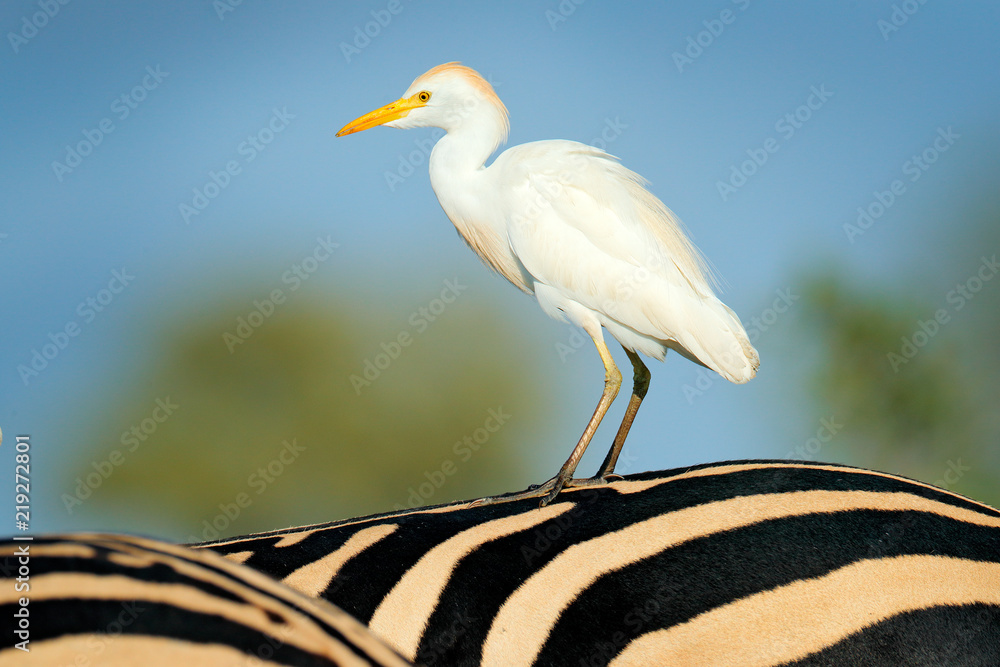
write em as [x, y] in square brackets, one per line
[423, 96]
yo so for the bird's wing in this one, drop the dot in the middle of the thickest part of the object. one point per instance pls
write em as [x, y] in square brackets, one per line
[584, 225]
[590, 191]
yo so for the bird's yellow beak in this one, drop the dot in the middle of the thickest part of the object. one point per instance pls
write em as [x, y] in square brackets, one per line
[390, 112]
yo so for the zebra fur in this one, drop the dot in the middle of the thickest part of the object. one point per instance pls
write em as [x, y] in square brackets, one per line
[734, 563]
[117, 600]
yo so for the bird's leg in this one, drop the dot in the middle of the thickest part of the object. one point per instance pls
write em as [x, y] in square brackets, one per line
[550, 489]
[640, 383]
[612, 382]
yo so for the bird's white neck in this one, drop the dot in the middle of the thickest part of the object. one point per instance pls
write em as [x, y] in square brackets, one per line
[468, 142]
[466, 189]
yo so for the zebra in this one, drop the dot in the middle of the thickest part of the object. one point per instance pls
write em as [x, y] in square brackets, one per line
[94, 599]
[732, 563]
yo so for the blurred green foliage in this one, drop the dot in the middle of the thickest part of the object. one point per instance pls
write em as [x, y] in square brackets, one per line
[275, 433]
[913, 373]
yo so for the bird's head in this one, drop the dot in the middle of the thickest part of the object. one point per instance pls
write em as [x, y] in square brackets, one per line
[449, 96]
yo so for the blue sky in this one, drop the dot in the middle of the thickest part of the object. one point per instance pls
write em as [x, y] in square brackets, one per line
[837, 96]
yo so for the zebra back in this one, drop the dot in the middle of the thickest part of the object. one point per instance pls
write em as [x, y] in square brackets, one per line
[741, 563]
[117, 600]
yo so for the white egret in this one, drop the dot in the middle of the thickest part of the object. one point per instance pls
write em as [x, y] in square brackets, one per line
[566, 222]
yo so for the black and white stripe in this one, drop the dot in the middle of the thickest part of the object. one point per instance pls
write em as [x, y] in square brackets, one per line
[741, 563]
[115, 600]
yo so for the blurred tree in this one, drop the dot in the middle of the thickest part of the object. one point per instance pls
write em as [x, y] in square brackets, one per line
[915, 379]
[321, 412]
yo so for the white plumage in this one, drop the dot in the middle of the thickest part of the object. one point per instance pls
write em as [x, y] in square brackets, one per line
[568, 223]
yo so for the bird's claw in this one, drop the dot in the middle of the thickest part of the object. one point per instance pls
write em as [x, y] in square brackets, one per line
[548, 490]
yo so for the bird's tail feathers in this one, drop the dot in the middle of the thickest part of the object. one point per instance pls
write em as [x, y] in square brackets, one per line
[718, 341]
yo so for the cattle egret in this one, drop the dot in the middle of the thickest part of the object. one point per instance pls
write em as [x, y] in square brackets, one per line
[567, 223]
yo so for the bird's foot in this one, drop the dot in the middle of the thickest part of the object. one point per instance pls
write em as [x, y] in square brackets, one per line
[547, 491]
[596, 480]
